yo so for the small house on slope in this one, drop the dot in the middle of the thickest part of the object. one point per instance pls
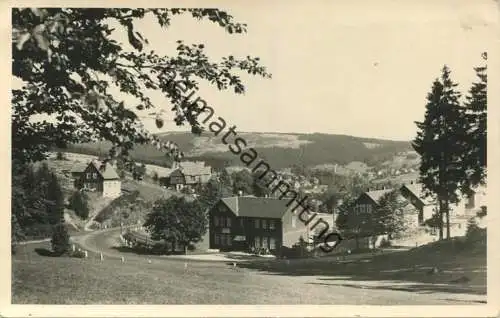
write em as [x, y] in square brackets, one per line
[99, 177]
[189, 174]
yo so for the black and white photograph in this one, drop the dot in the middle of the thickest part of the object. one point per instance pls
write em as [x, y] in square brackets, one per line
[250, 153]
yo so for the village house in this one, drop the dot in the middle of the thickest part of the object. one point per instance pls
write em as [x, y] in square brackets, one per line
[420, 209]
[242, 222]
[187, 174]
[425, 207]
[367, 203]
[99, 177]
[460, 212]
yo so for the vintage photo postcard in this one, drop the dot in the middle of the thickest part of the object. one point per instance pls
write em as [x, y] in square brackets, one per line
[280, 158]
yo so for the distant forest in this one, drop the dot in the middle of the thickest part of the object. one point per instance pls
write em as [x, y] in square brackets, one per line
[321, 149]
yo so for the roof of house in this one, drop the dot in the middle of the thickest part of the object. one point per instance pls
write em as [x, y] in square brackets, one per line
[106, 170]
[419, 193]
[375, 195]
[79, 167]
[162, 172]
[194, 168]
[250, 206]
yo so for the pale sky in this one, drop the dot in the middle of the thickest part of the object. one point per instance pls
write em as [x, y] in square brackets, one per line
[360, 68]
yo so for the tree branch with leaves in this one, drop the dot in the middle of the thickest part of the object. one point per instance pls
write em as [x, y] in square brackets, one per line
[68, 60]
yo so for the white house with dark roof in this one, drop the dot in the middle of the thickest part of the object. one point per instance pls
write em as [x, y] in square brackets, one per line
[99, 177]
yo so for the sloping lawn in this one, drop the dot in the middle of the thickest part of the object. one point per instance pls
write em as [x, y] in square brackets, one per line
[461, 267]
[40, 279]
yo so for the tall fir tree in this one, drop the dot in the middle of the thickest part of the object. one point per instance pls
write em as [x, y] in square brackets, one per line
[475, 146]
[55, 200]
[438, 141]
[389, 216]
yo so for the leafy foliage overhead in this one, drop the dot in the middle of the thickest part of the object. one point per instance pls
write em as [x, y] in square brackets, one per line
[68, 61]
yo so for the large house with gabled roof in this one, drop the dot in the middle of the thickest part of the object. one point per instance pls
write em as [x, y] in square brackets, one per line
[240, 223]
[99, 177]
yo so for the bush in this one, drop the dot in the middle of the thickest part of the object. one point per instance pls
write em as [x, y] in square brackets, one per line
[474, 232]
[298, 250]
[38, 231]
[483, 212]
[78, 202]
[60, 156]
[120, 202]
[77, 254]
[385, 243]
[60, 240]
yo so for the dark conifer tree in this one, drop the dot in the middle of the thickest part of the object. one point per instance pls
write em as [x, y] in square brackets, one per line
[60, 239]
[55, 200]
[438, 141]
[475, 146]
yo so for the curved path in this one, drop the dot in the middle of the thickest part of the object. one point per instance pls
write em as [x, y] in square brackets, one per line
[108, 243]
[319, 289]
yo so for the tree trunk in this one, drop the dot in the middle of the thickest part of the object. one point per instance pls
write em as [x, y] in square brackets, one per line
[440, 215]
[447, 209]
[185, 249]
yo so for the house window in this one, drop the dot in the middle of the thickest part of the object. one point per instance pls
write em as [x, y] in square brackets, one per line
[94, 175]
[217, 239]
[216, 220]
[89, 175]
[228, 222]
[271, 224]
[264, 224]
[257, 223]
[272, 243]
[368, 209]
[241, 222]
[294, 222]
[228, 240]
